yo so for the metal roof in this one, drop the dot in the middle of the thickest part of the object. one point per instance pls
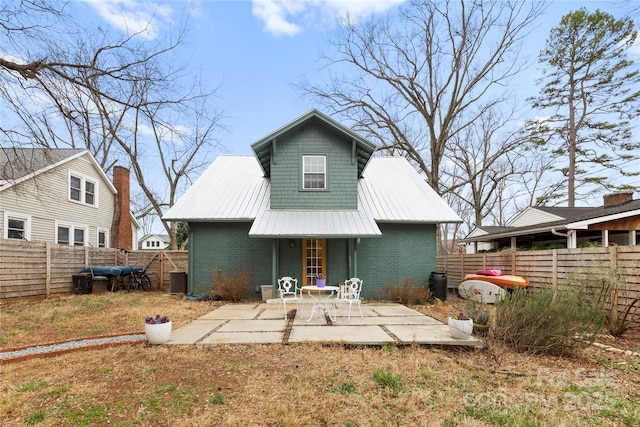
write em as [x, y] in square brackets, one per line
[392, 191]
[265, 147]
[233, 188]
[313, 223]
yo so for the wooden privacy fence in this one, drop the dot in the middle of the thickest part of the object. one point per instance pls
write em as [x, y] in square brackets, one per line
[553, 267]
[41, 270]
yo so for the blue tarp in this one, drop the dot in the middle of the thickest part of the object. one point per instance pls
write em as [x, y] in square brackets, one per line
[112, 270]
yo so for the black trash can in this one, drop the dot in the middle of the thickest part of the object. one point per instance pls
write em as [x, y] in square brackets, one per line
[438, 284]
[81, 284]
[178, 282]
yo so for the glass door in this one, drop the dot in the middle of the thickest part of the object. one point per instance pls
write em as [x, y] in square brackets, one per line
[314, 254]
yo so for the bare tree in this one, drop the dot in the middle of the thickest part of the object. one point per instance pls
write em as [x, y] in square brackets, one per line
[121, 96]
[416, 82]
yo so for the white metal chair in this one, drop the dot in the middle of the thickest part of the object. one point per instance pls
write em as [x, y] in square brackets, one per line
[349, 293]
[290, 291]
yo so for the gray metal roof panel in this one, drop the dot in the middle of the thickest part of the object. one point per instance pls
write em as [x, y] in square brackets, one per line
[312, 223]
[233, 188]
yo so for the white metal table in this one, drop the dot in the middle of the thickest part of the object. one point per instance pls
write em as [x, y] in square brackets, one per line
[320, 299]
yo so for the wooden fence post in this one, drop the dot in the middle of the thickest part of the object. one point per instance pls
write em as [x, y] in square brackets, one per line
[554, 273]
[47, 283]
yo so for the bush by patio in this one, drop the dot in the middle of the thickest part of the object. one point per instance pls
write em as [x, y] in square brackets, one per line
[556, 323]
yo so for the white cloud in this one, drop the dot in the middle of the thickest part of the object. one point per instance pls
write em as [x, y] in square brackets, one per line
[133, 16]
[278, 16]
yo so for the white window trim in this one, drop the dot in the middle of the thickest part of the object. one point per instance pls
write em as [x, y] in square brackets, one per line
[324, 165]
[72, 229]
[83, 189]
[106, 237]
[14, 215]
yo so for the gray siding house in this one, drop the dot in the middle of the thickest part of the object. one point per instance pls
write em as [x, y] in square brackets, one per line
[61, 196]
[312, 200]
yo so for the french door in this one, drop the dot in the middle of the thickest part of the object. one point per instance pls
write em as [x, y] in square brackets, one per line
[314, 257]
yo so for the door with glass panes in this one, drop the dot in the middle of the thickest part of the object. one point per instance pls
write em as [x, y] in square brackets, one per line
[314, 255]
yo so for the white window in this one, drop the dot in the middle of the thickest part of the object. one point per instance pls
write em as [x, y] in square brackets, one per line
[17, 226]
[62, 235]
[148, 243]
[74, 235]
[314, 172]
[82, 189]
[78, 237]
[102, 239]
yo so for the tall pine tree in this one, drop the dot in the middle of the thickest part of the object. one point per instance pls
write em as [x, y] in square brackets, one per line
[591, 90]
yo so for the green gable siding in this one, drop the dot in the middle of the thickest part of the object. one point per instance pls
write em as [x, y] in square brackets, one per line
[405, 251]
[286, 170]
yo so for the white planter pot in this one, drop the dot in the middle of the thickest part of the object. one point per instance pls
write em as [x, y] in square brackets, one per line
[157, 333]
[460, 329]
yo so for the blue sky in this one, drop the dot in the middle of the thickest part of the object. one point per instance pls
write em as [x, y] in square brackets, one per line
[257, 50]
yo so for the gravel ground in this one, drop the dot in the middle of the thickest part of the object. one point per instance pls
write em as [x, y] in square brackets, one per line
[70, 345]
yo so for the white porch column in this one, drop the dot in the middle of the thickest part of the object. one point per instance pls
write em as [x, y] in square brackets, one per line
[632, 238]
[605, 238]
[513, 243]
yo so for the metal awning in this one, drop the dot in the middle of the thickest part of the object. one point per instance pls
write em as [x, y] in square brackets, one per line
[314, 223]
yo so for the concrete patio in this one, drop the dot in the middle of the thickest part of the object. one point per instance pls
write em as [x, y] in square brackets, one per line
[263, 323]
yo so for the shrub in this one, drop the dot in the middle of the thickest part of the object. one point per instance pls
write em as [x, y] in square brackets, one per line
[479, 312]
[407, 293]
[232, 286]
[618, 301]
[559, 323]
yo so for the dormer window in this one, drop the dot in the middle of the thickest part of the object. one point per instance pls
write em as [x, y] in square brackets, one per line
[314, 172]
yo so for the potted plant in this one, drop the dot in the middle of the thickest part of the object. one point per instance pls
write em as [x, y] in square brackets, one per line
[157, 329]
[320, 280]
[460, 326]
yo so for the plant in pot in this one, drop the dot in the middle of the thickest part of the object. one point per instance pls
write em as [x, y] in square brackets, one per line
[157, 329]
[460, 326]
[320, 280]
[481, 317]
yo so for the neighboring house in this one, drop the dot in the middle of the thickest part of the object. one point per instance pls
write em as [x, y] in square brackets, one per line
[312, 200]
[614, 223]
[63, 196]
[154, 242]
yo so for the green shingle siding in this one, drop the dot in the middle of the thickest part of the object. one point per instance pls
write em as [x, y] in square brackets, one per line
[286, 174]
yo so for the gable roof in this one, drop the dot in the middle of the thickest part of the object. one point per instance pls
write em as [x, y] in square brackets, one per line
[20, 164]
[579, 218]
[265, 147]
[234, 188]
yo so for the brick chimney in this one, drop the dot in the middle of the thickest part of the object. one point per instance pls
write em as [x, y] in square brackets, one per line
[121, 228]
[616, 199]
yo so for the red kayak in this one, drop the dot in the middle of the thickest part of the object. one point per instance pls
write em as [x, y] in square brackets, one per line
[505, 281]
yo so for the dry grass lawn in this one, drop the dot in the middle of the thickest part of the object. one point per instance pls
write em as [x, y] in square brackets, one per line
[294, 385]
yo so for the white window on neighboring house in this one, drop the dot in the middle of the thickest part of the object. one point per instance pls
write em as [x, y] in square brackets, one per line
[73, 235]
[78, 237]
[62, 235]
[314, 172]
[17, 226]
[82, 189]
[75, 188]
[102, 239]
[89, 192]
[148, 243]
